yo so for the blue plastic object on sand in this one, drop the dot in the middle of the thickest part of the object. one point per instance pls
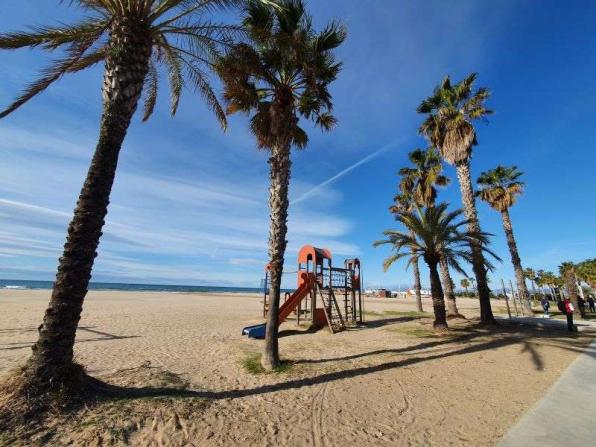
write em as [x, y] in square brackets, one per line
[257, 331]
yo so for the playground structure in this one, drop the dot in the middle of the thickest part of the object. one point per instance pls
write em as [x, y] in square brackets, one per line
[325, 295]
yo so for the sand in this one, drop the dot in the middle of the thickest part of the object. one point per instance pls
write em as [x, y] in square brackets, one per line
[389, 383]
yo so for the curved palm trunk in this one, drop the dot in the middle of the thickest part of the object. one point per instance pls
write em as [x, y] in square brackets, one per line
[417, 286]
[436, 290]
[447, 283]
[125, 69]
[478, 265]
[571, 289]
[516, 261]
[280, 166]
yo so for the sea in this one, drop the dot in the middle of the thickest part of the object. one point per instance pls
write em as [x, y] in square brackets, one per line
[15, 284]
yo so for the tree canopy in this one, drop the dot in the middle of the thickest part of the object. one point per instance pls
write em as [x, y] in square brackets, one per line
[500, 187]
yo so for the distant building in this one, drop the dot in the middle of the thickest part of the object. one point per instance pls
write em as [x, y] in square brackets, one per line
[423, 292]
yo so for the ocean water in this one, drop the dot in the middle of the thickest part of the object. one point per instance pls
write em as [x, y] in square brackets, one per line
[15, 284]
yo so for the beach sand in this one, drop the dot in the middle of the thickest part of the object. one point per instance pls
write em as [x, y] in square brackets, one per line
[390, 383]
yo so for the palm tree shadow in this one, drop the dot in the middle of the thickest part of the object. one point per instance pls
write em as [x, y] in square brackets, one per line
[387, 321]
[520, 335]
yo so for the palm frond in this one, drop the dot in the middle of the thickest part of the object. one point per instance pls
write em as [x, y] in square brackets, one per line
[150, 89]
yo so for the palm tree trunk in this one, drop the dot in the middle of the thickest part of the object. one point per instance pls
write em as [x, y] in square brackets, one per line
[280, 166]
[436, 290]
[478, 264]
[417, 286]
[447, 283]
[51, 364]
[571, 288]
[516, 261]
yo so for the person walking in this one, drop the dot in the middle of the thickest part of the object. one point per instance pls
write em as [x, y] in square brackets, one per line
[545, 306]
[569, 313]
[591, 303]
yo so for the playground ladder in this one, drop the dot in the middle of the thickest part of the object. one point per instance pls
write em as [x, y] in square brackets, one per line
[332, 312]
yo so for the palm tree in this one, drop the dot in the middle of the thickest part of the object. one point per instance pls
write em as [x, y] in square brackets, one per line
[550, 280]
[436, 234]
[465, 283]
[422, 178]
[420, 181]
[567, 272]
[282, 74]
[404, 203]
[451, 111]
[132, 38]
[530, 274]
[586, 271]
[500, 188]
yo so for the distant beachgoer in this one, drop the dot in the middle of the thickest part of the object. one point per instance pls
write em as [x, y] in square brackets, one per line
[591, 304]
[545, 305]
[581, 304]
[569, 313]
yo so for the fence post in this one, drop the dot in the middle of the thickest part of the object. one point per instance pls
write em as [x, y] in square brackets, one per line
[506, 298]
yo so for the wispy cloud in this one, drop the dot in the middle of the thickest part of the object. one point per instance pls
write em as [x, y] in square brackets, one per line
[318, 188]
[159, 227]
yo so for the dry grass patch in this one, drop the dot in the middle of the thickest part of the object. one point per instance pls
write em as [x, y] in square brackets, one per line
[139, 406]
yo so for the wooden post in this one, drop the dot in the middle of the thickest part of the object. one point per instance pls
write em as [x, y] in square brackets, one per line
[520, 303]
[514, 303]
[506, 298]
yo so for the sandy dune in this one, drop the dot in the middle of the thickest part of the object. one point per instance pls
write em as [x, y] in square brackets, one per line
[386, 384]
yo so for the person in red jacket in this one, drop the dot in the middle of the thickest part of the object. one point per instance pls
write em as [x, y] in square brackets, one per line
[569, 313]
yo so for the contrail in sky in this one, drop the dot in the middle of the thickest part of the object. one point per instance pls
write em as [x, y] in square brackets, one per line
[314, 190]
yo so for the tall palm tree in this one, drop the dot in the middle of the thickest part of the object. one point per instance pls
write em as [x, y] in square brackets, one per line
[500, 188]
[132, 38]
[567, 272]
[404, 203]
[431, 234]
[465, 283]
[282, 74]
[452, 110]
[421, 181]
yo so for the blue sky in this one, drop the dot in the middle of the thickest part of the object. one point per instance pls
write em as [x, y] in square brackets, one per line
[189, 204]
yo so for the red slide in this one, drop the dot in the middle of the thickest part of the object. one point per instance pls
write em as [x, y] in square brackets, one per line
[286, 309]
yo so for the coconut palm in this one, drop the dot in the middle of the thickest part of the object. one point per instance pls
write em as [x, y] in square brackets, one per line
[567, 272]
[281, 75]
[500, 188]
[421, 181]
[132, 38]
[452, 110]
[433, 233]
[404, 203]
[465, 283]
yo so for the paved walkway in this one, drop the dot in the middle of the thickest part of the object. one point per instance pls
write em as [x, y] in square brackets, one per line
[552, 323]
[566, 415]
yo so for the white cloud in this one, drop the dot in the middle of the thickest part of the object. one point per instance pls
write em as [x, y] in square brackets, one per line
[159, 227]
